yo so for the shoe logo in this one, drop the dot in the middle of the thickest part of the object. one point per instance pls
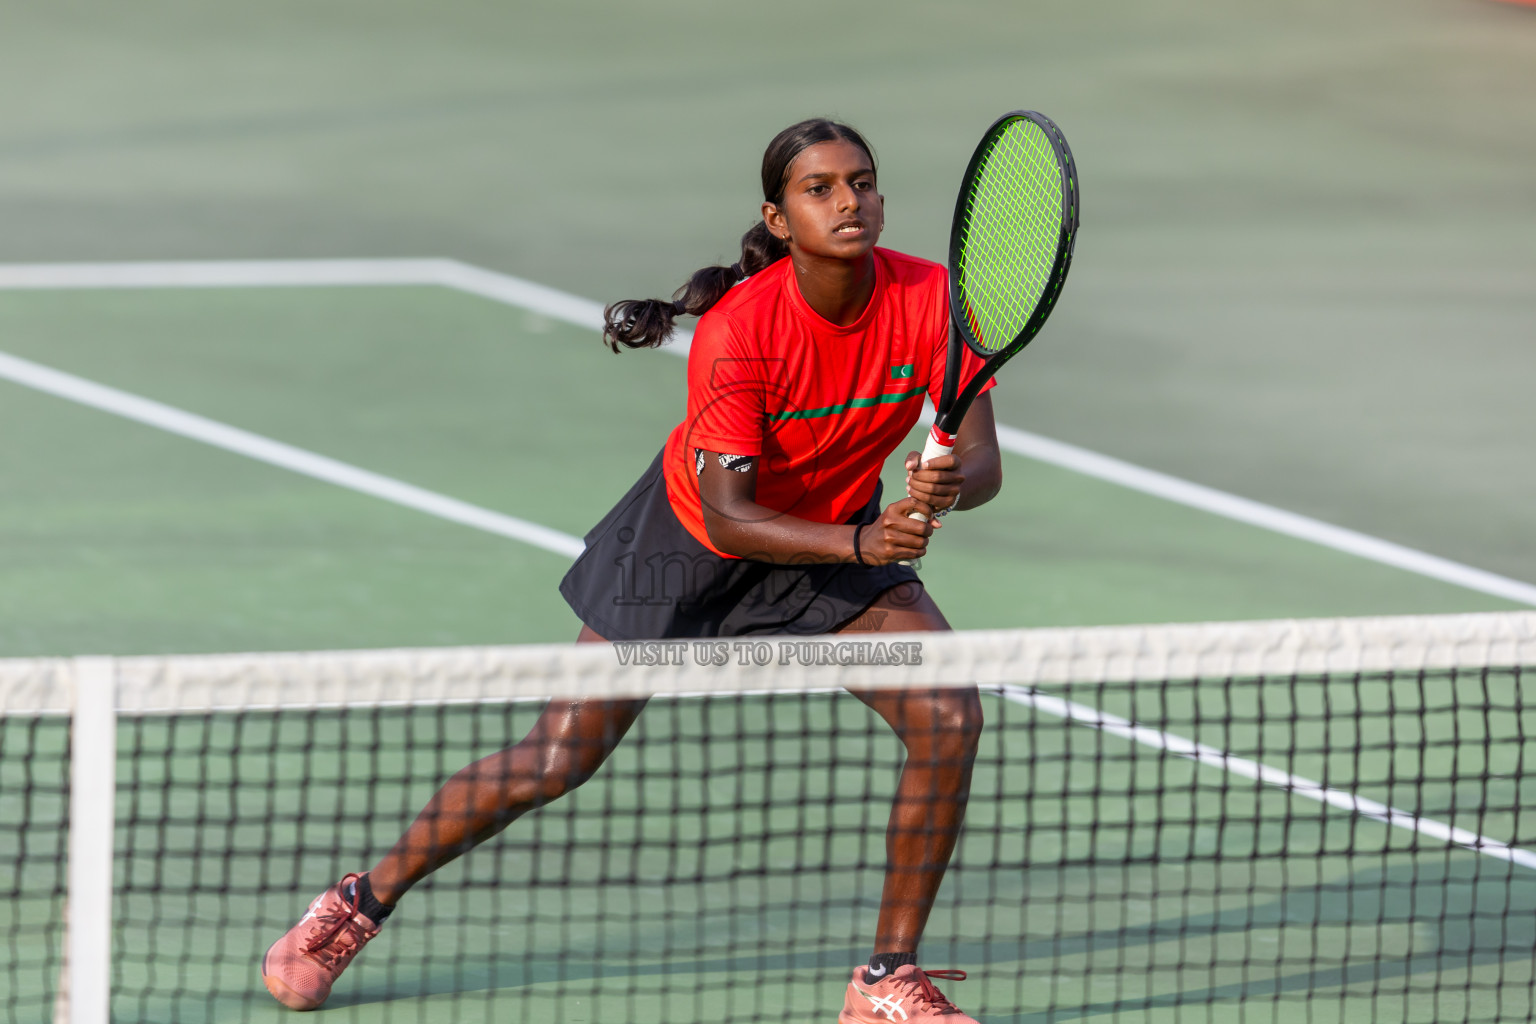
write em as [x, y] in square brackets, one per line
[888, 1005]
[875, 972]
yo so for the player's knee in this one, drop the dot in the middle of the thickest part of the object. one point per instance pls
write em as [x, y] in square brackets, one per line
[951, 733]
[963, 722]
[567, 769]
[550, 788]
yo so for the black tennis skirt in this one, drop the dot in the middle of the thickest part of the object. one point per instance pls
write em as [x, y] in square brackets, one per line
[644, 577]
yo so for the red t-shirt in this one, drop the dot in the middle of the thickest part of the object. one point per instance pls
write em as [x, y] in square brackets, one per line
[821, 406]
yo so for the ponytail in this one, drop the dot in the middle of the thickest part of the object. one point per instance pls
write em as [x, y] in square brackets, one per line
[648, 323]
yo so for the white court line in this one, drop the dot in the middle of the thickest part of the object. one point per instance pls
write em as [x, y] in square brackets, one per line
[562, 306]
[1254, 513]
[220, 274]
[558, 305]
[1283, 780]
[243, 442]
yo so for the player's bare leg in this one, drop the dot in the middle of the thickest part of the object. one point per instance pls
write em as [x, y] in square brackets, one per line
[940, 729]
[565, 747]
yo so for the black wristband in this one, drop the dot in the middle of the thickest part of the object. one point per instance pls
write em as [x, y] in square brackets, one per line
[857, 555]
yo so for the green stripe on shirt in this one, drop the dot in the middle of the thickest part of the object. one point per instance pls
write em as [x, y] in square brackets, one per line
[855, 403]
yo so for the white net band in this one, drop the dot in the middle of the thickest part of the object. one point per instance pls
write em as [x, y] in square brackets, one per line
[1028, 657]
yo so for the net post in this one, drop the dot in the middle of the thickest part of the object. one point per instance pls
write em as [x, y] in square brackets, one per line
[92, 810]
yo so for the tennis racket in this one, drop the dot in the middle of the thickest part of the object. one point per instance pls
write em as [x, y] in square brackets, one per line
[1009, 251]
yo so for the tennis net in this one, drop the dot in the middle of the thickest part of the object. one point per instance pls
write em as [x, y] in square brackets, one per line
[1312, 820]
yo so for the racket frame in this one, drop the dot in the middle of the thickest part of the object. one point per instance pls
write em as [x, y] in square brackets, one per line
[955, 401]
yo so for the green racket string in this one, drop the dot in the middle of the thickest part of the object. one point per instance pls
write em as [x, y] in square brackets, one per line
[1010, 233]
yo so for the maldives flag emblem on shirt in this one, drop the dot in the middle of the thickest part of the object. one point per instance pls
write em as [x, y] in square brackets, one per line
[902, 372]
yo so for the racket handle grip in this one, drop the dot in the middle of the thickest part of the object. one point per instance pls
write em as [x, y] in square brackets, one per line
[937, 444]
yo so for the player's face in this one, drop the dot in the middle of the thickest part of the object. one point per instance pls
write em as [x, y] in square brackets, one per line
[830, 206]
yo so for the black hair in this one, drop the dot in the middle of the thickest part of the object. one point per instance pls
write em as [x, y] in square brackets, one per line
[647, 323]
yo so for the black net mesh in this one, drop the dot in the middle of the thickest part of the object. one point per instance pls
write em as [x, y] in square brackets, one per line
[34, 834]
[1284, 846]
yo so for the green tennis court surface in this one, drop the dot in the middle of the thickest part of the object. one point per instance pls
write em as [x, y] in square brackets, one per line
[696, 880]
[1305, 277]
[135, 540]
[132, 540]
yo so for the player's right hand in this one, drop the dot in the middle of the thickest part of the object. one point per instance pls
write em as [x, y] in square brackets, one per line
[895, 537]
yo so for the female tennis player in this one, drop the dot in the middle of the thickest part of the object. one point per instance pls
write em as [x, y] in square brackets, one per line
[808, 368]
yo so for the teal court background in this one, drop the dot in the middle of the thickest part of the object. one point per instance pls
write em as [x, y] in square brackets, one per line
[1305, 277]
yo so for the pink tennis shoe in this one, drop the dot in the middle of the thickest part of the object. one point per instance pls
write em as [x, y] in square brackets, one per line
[300, 968]
[907, 995]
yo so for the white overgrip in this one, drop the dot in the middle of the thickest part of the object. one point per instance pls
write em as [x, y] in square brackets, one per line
[936, 445]
[932, 449]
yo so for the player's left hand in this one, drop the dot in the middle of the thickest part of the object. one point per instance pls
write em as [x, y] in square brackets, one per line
[935, 483]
